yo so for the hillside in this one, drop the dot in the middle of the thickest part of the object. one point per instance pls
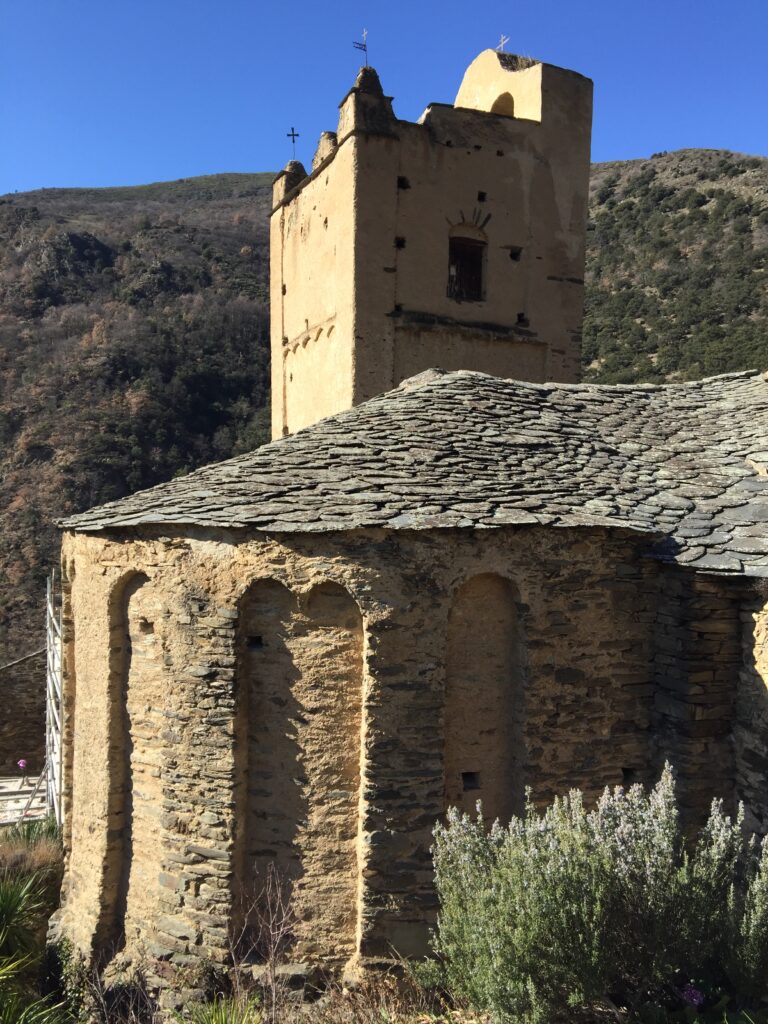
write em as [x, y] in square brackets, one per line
[134, 327]
[133, 346]
[677, 265]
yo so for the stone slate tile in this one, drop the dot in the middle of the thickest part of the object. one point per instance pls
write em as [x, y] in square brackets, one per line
[466, 450]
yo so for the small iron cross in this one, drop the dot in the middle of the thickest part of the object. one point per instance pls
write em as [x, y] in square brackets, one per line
[293, 135]
[502, 43]
[364, 45]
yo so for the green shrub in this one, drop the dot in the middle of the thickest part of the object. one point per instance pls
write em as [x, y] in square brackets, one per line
[573, 909]
[224, 1010]
[32, 832]
[16, 1009]
[22, 914]
[21, 907]
[747, 936]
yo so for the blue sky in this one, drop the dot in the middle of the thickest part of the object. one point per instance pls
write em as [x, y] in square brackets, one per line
[103, 92]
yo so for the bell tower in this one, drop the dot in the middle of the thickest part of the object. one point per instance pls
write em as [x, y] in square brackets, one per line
[456, 241]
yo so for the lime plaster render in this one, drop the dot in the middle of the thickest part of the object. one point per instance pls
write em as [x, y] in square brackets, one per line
[359, 248]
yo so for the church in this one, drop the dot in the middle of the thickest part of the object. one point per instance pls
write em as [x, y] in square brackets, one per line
[455, 572]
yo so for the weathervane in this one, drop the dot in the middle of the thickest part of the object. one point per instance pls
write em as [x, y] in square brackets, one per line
[363, 46]
[293, 135]
[502, 43]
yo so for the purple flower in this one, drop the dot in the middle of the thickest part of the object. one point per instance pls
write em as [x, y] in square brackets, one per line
[22, 764]
[692, 996]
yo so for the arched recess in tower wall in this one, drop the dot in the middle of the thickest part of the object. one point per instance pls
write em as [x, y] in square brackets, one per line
[484, 751]
[137, 694]
[299, 681]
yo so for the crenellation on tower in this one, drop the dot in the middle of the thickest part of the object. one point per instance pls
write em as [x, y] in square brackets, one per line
[287, 180]
[326, 147]
[456, 241]
[365, 108]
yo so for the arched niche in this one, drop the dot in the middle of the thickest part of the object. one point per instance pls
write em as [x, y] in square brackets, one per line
[299, 682]
[268, 748]
[504, 104]
[137, 693]
[484, 699]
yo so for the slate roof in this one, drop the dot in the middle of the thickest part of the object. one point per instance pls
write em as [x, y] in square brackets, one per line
[470, 450]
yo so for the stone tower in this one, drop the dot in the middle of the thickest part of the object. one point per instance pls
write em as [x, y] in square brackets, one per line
[457, 241]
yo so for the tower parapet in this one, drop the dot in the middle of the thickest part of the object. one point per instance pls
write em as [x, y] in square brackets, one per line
[457, 241]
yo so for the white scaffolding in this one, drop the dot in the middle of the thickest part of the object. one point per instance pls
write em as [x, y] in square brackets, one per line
[53, 700]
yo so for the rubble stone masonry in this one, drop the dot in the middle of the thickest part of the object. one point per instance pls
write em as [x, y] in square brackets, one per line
[314, 701]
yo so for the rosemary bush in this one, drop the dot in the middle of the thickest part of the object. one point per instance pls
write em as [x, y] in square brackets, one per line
[576, 910]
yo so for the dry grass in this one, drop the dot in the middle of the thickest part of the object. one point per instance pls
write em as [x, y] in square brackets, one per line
[34, 849]
[18, 857]
[381, 998]
[261, 949]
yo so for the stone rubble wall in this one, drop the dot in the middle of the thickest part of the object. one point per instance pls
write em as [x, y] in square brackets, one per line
[750, 730]
[252, 724]
[697, 662]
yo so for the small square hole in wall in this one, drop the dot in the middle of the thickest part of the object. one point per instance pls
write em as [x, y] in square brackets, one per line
[522, 320]
[255, 643]
[399, 242]
[470, 781]
[515, 252]
[628, 776]
[499, 152]
[145, 626]
[482, 196]
[402, 182]
[284, 289]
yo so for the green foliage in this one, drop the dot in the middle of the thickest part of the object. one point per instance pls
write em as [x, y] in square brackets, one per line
[134, 348]
[15, 1008]
[68, 975]
[572, 910]
[224, 1010]
[22, 914]
[21, 910]
[676, 284]
[32, 832]
[11, 968]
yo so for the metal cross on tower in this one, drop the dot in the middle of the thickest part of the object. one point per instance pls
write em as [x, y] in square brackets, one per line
[502, 43]
[293, 135]
[363, 46]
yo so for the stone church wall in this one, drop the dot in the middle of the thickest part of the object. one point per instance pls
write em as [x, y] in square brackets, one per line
[751, 713]
[316, 700]
[300, 724]
[697, 665]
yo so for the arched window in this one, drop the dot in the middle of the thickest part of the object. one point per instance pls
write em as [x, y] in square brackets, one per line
[484, 700]
[467, 247]
[504, 104]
